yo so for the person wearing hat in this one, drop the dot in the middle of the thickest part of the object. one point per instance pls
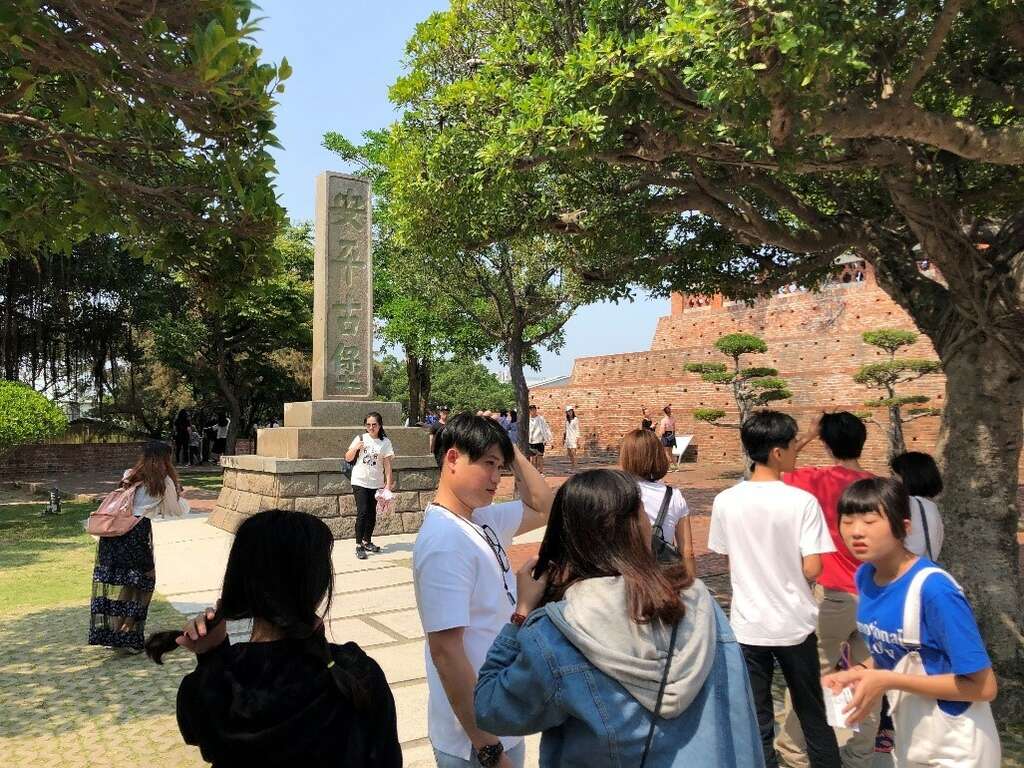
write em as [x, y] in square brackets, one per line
[437, 426]
[571, 435]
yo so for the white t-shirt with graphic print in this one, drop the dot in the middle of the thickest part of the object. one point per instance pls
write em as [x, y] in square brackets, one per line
[368, 471]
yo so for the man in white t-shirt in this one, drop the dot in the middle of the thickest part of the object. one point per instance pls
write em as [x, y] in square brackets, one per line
[465, 588]
[774, 535]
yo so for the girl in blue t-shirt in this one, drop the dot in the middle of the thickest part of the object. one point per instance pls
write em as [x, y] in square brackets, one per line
[925, 646]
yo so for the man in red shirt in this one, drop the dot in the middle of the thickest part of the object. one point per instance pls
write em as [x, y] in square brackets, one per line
[843, 435]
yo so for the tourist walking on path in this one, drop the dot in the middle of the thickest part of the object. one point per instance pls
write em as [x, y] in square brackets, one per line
[287, 697]
[125, 573]
[513, 426]
[571, 435]
[438, 425]
[220, 446]
[372, 453]
[195, 445]
[464, 589]
[641, 456]
[774, 535]
[540, 434]
[618, 661]
[923, 481]
[182, 425]
[835, 593]
[667, 432]
[926, 650]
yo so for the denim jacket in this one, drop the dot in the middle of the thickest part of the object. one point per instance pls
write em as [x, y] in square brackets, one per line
[534, 680]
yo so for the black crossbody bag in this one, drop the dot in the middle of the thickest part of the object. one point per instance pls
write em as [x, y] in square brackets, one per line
[661, 693]
[663, 551]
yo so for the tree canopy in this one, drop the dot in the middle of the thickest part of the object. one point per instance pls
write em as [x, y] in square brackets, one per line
[145, 119]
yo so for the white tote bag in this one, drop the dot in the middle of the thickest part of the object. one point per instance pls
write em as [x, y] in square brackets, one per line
[925, 735]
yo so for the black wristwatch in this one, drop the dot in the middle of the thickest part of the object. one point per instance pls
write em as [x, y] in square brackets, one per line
[489, 756]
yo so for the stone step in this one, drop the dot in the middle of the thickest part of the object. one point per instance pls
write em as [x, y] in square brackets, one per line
[340, 413]
[327, 442]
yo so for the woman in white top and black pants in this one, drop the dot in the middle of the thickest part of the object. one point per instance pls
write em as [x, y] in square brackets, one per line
[371, 452]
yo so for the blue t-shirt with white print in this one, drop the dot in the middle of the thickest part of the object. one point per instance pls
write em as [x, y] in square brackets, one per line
[950, 640]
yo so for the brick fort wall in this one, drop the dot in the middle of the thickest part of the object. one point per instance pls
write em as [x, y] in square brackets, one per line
[814, 340]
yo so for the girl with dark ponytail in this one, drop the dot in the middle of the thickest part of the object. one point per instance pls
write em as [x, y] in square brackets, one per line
[287, 697]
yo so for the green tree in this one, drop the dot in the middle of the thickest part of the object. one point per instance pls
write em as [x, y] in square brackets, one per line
[893, 373]
[243, 345]
[468, 385]
[27, 416]
[148, 119]
[712, 146]
[751, 387]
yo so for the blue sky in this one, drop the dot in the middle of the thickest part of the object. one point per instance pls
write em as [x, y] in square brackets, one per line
[344, 55]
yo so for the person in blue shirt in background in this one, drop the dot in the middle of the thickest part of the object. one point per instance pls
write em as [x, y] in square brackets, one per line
[925, 646]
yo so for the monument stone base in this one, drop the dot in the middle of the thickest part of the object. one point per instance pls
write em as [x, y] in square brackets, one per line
[306, 474]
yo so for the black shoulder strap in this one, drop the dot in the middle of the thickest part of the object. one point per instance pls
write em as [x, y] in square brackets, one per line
[924, 524]
[661, 692]
[664, 508]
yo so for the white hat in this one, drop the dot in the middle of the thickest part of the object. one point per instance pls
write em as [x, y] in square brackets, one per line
[570, 408]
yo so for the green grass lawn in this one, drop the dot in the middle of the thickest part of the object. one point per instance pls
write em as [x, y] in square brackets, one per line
[205, 481]
[45, 560]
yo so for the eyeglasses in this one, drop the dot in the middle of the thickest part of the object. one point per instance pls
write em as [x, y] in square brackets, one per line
[372, 424]
[503, 562]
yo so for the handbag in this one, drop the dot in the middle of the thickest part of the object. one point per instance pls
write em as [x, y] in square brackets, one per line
[663, 551]
[661, 693]
[346, 465]
[114, 515]
[925, 735]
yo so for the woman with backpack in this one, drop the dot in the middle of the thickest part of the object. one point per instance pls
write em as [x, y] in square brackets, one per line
[641, 456]
[370, 455]
[616, 660]
[287, 697]
[125, 572]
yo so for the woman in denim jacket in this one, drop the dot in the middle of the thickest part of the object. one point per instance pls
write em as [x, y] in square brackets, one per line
[586, 667]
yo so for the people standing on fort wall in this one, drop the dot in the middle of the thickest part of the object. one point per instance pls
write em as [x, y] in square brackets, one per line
[774, 536]
[927, 655]
[615, 659]
[287, 697]
[640, 455]
[843, 435]
[667, 432]
[540, 435]
[571, 435]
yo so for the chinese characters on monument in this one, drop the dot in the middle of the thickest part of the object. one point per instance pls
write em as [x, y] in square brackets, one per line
[343, 290]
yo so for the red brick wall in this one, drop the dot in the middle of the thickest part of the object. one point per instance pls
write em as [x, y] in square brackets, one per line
[31, 461]
[814, 340]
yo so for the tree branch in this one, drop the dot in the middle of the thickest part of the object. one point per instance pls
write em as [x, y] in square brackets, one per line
[905, 91]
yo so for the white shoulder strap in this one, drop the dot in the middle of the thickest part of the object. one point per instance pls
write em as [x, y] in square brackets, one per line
[911, 632]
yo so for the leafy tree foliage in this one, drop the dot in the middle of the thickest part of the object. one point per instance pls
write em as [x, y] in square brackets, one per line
[148, 119]
[714, 146]
[27, 416]
[462, 385]
[752, 387]
[892, 373]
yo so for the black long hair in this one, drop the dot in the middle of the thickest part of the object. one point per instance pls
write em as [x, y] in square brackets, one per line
[280, 571]
[380, 420]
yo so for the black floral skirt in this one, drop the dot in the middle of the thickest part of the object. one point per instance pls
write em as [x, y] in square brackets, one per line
[122, 585]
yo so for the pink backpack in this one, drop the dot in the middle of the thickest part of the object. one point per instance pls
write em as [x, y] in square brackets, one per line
[114, 516]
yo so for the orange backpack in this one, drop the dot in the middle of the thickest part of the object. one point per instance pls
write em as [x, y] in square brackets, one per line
[114, 516]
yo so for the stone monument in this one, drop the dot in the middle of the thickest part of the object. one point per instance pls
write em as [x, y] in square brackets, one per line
[299, 466]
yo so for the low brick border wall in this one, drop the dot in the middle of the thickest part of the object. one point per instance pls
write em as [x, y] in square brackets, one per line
[253, 484]
[42, 459]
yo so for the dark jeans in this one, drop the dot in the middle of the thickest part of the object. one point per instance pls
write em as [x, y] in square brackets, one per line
[181, 448]
[800, 667]
[366, 512]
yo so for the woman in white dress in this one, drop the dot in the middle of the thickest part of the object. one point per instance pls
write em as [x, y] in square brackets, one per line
[571, 436]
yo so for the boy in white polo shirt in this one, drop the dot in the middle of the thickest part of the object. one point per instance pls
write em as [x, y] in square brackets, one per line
[465, 588]
[774, 535]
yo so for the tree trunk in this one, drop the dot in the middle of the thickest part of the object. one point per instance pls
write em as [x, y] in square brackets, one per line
[980, 446]
[897, 444]
[234, 405]
[414, 372]
[425, 387]
[515, 369]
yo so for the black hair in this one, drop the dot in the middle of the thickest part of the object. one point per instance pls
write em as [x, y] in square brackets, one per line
[503, 412]
[844, 434]
[380, 420]
[878, 493]
[919, 473]
[513, 415]
[280, 571]
[222, 419]
[764, 430]
[472, 435]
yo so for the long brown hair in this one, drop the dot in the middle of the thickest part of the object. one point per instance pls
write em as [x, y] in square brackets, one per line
[642, 454]
[595, 531]
[153, 467]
